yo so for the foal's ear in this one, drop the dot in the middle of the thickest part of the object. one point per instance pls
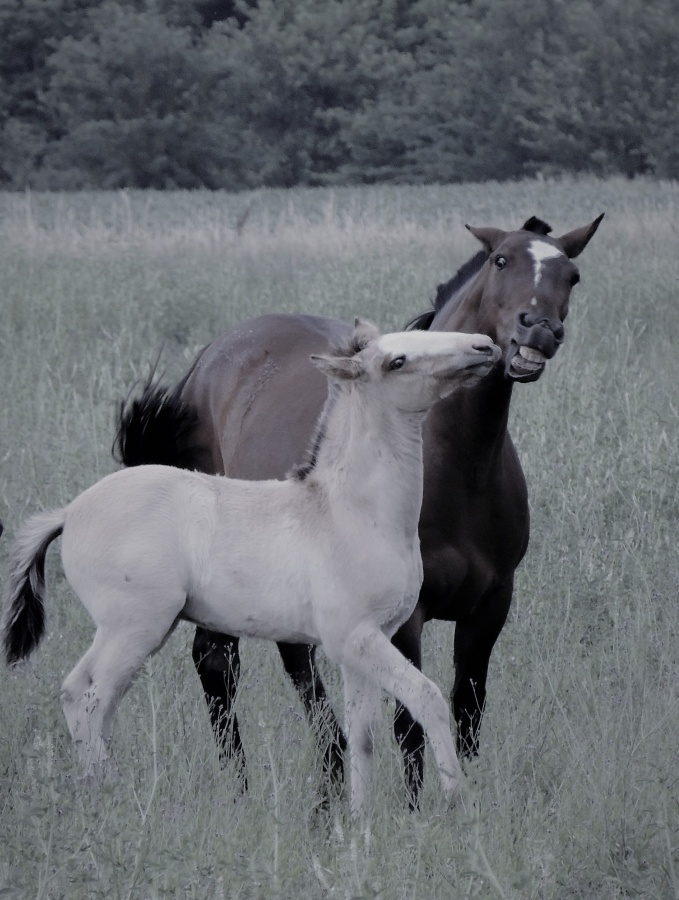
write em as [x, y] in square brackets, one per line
[489, 237]
[364, 332]
[339, 368]
[575, 242]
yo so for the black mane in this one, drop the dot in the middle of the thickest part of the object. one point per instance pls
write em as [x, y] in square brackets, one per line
[536, 225]
[447, 290]
[363, 333]
[302, 471]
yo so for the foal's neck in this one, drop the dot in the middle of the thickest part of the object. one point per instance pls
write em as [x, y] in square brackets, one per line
[371, 458]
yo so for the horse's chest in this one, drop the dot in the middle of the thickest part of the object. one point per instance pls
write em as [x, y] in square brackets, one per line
[472, 549]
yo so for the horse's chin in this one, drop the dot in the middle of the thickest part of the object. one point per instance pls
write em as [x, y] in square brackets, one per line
[524, 363]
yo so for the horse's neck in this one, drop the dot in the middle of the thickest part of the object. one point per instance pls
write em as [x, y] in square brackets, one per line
[470, 427]
[462, 312]
[370, 459]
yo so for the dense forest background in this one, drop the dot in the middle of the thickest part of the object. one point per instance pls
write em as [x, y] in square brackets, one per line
[239, 94]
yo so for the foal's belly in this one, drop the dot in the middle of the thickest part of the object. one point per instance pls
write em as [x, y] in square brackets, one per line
[248, 614]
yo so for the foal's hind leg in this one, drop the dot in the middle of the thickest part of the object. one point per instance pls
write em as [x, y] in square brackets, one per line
[217, 662]
[300, 664]
[82, 707]
[91, 692]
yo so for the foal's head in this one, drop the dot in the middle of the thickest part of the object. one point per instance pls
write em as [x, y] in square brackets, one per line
[520, 296]
[409, 369]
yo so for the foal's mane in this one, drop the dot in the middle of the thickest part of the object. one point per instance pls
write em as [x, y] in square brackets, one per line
[450, 289]
[362, 334]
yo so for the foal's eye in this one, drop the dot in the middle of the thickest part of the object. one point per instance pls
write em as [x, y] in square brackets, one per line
[500, 262]
[397, 363]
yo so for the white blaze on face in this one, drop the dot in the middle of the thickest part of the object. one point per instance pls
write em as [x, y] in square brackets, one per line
[540, 251]
[422, 345]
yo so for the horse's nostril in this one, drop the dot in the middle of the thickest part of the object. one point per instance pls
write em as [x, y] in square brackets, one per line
[483, 348]
[525, 320]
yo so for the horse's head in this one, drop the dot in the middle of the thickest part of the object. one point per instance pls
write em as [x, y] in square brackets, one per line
[411, 369]
[520, 296]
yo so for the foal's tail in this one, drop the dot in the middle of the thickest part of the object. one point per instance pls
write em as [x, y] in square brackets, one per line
[23, 623]
[157, 428]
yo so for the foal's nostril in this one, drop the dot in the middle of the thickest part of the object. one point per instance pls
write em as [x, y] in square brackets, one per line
[483, 348]
[526, 320]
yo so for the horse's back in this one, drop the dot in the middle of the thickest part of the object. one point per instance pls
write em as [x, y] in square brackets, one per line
[242, 386]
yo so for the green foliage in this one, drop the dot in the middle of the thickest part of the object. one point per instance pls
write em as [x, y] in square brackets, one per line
[249, 93]
[130, 97]
[297, 71]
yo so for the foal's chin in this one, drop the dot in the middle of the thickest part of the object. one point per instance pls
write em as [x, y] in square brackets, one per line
[468, 378]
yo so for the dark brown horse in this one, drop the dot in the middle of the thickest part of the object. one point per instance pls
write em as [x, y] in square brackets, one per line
[247, 409]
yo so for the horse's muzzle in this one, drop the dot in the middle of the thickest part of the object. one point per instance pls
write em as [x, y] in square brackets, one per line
[533, 343]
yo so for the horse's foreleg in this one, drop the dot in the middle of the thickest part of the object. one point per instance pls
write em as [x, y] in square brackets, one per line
[474, 642]
[362, 708]
[372, 654]
[217, 661]
[300, 664]
[407, 730]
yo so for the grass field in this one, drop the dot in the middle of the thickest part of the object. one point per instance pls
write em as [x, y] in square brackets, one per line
[576, 790]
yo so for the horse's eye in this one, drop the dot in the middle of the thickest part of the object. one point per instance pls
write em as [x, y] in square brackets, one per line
[397, 363]
[500, 262]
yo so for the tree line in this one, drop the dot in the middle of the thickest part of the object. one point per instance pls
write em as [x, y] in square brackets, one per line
[245, 93]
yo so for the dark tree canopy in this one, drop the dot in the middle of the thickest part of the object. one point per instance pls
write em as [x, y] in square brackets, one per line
[244, 93]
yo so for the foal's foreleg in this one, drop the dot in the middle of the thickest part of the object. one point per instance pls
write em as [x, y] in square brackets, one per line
[362, 707]
[407, 730]
[300, 664]
[371, 653]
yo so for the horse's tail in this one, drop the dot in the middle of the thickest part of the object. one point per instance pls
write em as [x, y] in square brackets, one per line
[157, 428]
[23, 622]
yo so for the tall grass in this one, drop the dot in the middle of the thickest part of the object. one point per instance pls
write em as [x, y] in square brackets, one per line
[575, 793]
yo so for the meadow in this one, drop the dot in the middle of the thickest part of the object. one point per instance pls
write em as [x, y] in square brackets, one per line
[575, 793]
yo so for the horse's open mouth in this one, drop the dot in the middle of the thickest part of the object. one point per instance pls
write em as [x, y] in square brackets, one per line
[526, 363]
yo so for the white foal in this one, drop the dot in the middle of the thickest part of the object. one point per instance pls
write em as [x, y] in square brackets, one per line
[329, 556]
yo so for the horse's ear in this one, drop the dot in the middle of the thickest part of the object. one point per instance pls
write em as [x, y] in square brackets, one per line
[575, 242]
[339, 368]
[489, 237]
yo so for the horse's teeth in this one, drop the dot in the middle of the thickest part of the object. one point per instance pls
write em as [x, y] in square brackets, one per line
[532, 355]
